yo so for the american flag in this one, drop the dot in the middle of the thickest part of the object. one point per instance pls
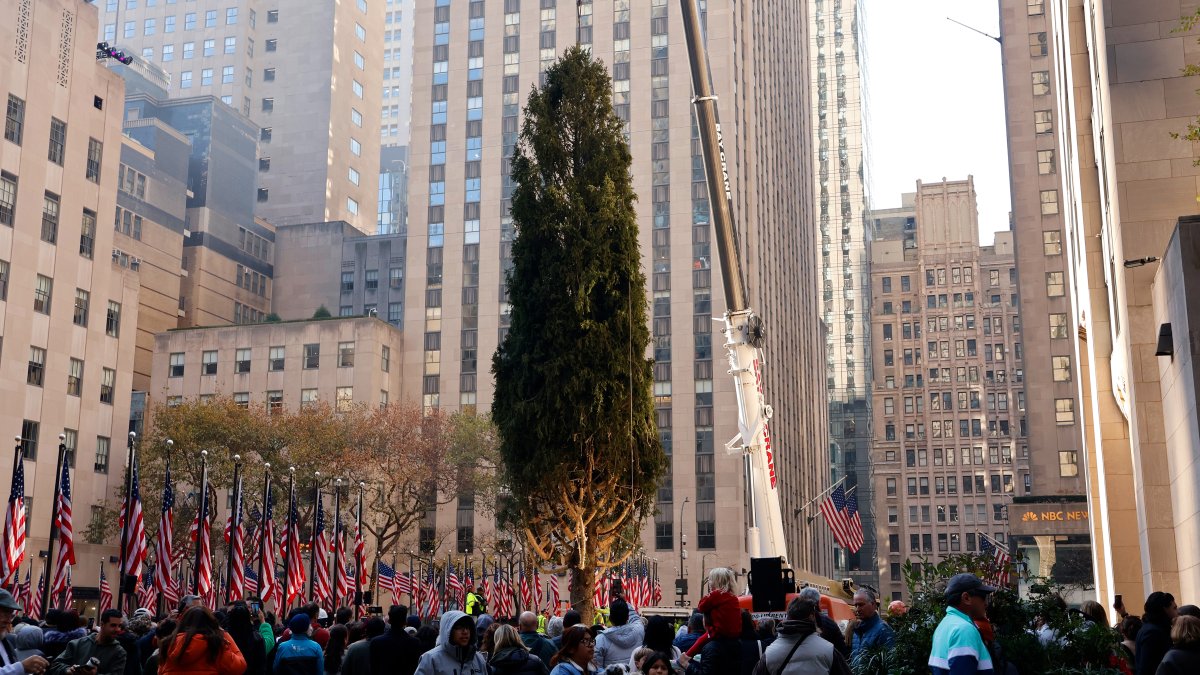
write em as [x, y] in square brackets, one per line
[345, 581]
[1000, 560]
[162, 552]
[403, 583]
[22, 592]
[105, 592]
[135, 536]
[856, 528]
[68, 592]
[503, 591]
[204, 582]
[454, 586]
[526, 592]
[294, 586]
[360, 557]
[235, 534]
[14, 527]
[600, 590]
[251, 581]
[268, 588]
[431, 595]
[66, 535]
[387, 580]
[833, 508]
[489, 595]
[320, 553]
[657, 592]
[35, 603]
[537, 590]
[146, 593]
[552, 600]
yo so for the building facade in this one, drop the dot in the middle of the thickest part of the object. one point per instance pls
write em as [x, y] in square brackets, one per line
[474, 63]
[286, 364]
[397, 72]
[67, 308]
[838, 102]
[393, 190]
[310, 75]
[950, 452]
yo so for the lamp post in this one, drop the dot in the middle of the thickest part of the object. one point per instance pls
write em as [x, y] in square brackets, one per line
[681, 582]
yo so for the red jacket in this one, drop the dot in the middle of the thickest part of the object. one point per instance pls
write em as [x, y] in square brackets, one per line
[726, 618]
[195, 661]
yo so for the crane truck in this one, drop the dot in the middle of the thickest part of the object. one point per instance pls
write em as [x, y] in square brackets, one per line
[772, 581]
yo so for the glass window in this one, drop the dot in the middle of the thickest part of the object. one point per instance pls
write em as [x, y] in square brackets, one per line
[103, 446]
[108, 383]
[1043, 122]
[210, 18]
[1046, 164]
[1068, 463]
[274, 401]
[58, 141]
[312, 356]
[1037, 44]
[1064, 411]
[307, 397]
[230, 47]
[8, 198]
[83, 301]
[372, 280]
[345, 398]
[42, 294]
[231, 15]
[1051, 242]
[1060, 366]
[360, 32]
[1041, 82]
[275, 359]
[1054, 284]
[75, 377]
[345, 354]
[1049, 202]
[385, 362]
[241, 399]
[94, 156]
[35, 374]
[241, 363]
[208, 362]
[112, 321]
[1058, 326]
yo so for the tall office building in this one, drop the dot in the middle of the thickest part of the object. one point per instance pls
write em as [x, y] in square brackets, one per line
[67, 308]
[397, 72]
[475, 62]
[950, 452]
[309, 74]
[838, 107]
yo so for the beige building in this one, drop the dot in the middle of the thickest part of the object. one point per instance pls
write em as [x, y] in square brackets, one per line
[282, 364]
[474, 63]
[309, 74]
[67, 309]
[950, 452]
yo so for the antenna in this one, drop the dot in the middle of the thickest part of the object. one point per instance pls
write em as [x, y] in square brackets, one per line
[976, 30]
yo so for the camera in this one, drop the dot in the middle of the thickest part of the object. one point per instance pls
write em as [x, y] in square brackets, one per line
[93, 663]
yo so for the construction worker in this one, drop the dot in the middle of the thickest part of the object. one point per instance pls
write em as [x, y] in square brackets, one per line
[475, 604]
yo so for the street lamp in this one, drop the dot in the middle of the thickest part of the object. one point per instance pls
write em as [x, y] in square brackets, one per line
[681, 582]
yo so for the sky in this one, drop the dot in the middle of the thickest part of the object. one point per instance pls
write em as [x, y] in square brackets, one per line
[935, 102]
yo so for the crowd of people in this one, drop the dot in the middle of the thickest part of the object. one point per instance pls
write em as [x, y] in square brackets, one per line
[719, 638]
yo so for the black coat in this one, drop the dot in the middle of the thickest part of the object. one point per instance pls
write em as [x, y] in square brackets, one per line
[1153, 643]
[718, 656]
[395, 652]
[516, 661]
[831, 632]
[1181, 661]
[253, 649]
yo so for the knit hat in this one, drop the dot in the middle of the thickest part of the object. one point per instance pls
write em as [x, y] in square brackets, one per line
[299, 624]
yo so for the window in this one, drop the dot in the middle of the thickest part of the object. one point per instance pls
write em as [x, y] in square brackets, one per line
[345, 398]
[359, 61]
[227, 75]
[189, 21]
[271, 45]
[103, 445]
[352, 205]
[208, 362]
[891, 487]
[1054, 284]
[50, 205]
[1035, 7]
[396, 277]
[272, 16]
[75, 377]
[307, 397]
[176, 365]
[275, 359]
[87, 233]
[185, 78]
[1049, 202]
[206, 76]
[1064, 411]
[355, 147]
[1068, 463]
[268, 105]
[241, 399]
[231, 16]
[112, 322]
[36, 372]
[1043, 122]
[274, 401]
[385, 361]
[94, 155]
[14, 119]
[108, 383]
[58, 141]
[1052, 242]
[29, 438]
[1046, 164]
[372, 280]
[360, 32]
[8, 197]
[82, 302]
[357, 88]
[345, 355]
[356, 118]
[210, 18]
[1041, 82]
[241, 362]
[1058, 326]
[1060, 366]
[1037, 44]
[42, 294]
[312, 356]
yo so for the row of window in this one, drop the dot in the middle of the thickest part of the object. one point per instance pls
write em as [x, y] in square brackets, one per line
[30, 433]
[276, 359]
[943, 401]
[35, 375]
[371, 279]
[343, 399]
[43, 294]
[14, 132]
[1001, 483]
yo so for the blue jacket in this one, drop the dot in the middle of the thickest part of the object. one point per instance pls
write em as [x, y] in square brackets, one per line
[299, 655]
[958, 648]
[870, 633]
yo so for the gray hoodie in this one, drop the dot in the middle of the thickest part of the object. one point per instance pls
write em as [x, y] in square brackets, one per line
[448, 659]
[615, 645]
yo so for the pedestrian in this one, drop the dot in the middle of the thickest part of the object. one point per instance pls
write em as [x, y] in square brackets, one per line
[395, 651]
[657, 638]
[657, 663]
[577, 652]
[299, 654]
[615, 645]
[570, 618]
[1190, 610]
[1094, 612]
[200, 647]
[799, 649]
[957, 644]
[537, 643]
[247, 638]
[11, 663]
[102, 646]
[1184, 657]
[554, 629]
[870, 630]
[826, 626]
[64, 628]
[457, 651]
[357, 660]
[511, 656]
[721, 610]
[161, 632]
[766, 631]
[1154, 638]
[1129, 628]
[719, 654]
[265, 623]
[339, 638]
[475, 604]
[695, 628]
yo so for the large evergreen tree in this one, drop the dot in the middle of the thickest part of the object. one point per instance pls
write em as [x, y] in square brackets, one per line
[573, 402]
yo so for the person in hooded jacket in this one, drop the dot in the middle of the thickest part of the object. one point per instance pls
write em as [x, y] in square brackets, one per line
[719, 654]
[577, 652]
[66, 627]
[246, 636]
[799, 649]
[199, 647]
[299, 654]
[510, 656]
[357, 660]
[1184, 657]
[1154, 638]
[720, 607]
[395, 651]
[457, 651]
[615, 645]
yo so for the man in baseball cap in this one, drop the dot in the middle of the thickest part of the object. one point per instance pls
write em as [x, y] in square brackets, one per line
[957, 645]
[9, 663]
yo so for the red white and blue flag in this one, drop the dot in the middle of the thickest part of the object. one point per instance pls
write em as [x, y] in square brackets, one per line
[146, 593]
[134, 544]
[833, 508]
[1001, 560]
[66, 536]
[14, 527]
[105, 592]
[322, 590]
[162, 553]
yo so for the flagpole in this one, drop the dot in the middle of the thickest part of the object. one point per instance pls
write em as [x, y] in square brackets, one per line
[167, 472]
[358, 561]
[312, 558]
[339, 543]
[201, 520]
[235, 521]
[263, 540]
[824, 492]
[412, 581]
[58, 469]
[16, 574]
[124, 545]
[288, 552]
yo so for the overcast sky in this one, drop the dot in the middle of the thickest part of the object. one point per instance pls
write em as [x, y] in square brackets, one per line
[935, 102]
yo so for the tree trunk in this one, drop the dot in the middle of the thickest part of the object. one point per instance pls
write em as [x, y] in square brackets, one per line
[582, 592]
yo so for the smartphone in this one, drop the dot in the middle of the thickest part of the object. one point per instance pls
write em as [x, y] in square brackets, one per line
[256, 606]
[1120, 603]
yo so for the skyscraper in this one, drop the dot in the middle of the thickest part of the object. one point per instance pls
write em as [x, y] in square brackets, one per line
[950, 453]
[397, 72]
[474, 64]
[309, 74]
[838, 135]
